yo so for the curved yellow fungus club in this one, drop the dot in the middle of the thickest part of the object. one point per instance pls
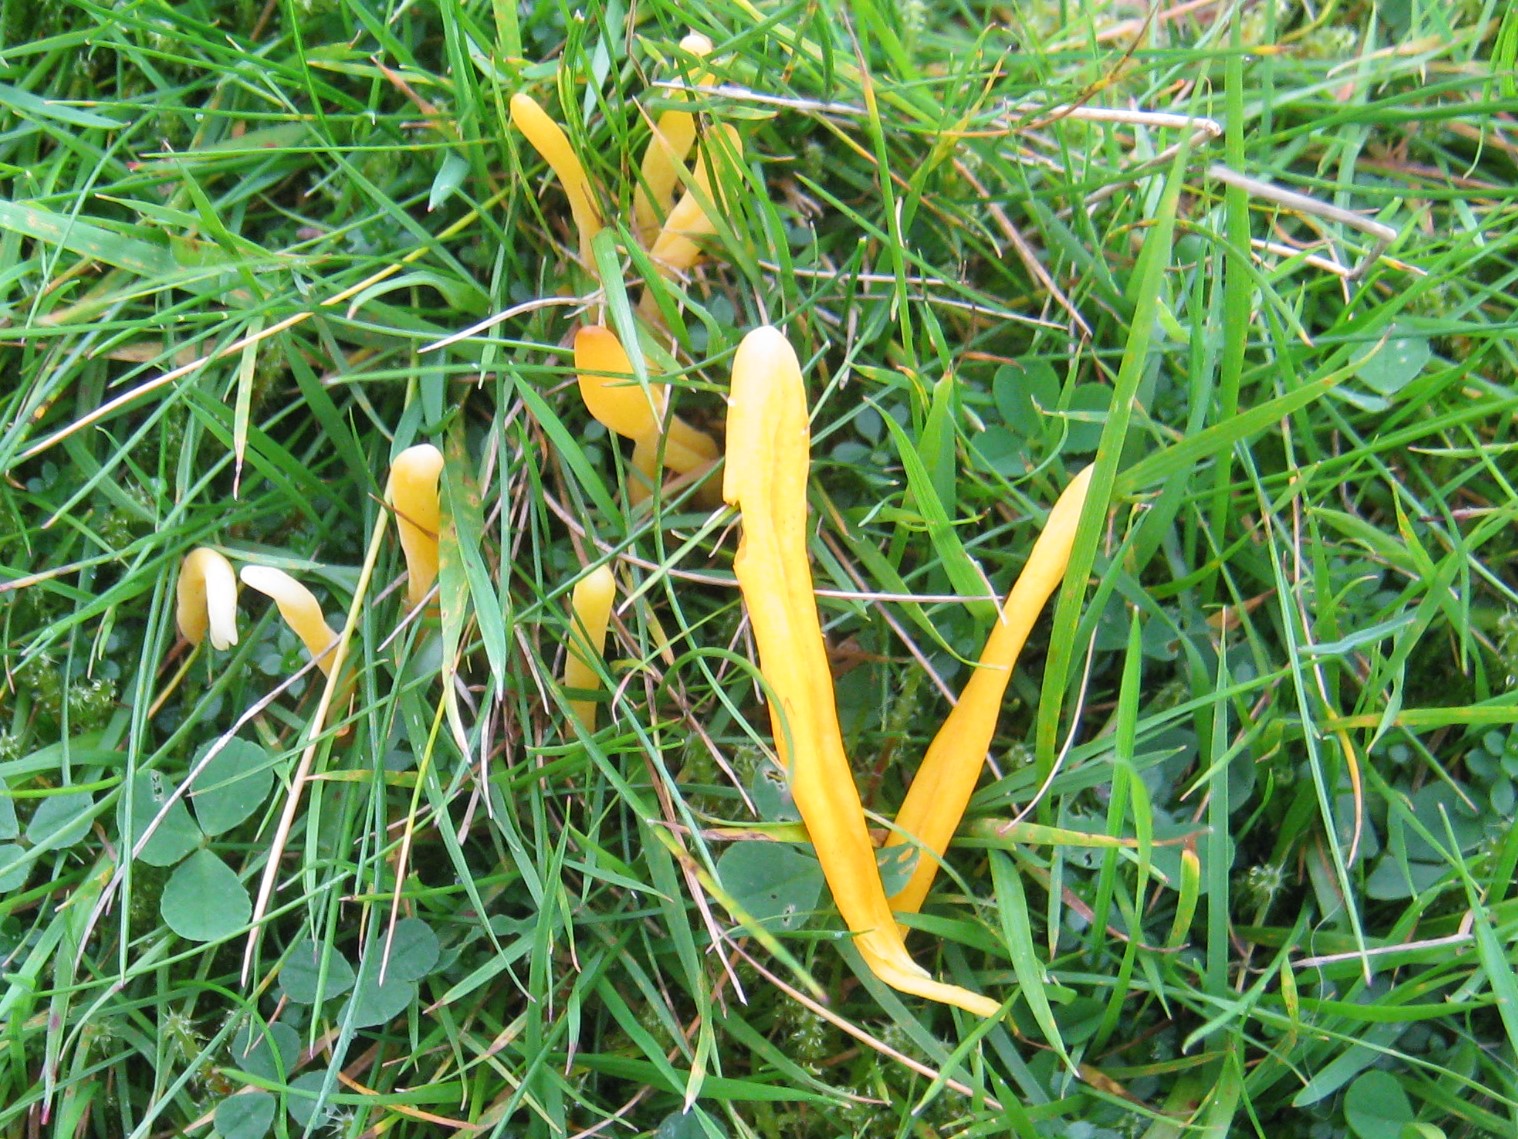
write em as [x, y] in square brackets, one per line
[768, 449]
[207, 598]
[549, 140]
[300, 609]
[412, 492]
[613, 395]
[591, 604]
[609, 388]
[677, 247]
[941, 790]
[674, 135]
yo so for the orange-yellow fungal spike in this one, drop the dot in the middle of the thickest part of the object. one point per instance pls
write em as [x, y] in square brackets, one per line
[941, 790]
[615, 398]
[610, 388]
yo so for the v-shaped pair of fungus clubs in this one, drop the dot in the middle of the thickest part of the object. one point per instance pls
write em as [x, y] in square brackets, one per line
[207, 590]
[768, 460]
[671, 230]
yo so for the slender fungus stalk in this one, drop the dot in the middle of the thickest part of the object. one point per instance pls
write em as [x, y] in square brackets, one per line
[300, 609]
[674, 134]
[677, 247]
[412, 492]
[768, 459]
[591, 602]
[548, 139]
[207, 598]
[645, 464]
[940, 792]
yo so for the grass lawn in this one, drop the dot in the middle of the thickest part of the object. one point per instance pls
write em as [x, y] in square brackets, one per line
[1241, 859]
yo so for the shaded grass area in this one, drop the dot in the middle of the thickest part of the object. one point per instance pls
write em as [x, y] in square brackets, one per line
[1242, 860]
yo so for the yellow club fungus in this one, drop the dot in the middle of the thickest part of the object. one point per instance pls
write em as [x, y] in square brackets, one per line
[677, 246]
[207, 598]
[946, 779]
[614, 397]
[591, 606]
[674, 134]
[768, 459]
[548, 139]
[300, 609]
[412, 493]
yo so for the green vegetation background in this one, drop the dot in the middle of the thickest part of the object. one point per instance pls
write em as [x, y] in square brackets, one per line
[231, 237]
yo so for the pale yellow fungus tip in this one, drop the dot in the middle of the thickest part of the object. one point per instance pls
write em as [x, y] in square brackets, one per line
[591, 604]
[673, 135]
[677, 247]
[412, 492]
[207, 598]
[300, 609]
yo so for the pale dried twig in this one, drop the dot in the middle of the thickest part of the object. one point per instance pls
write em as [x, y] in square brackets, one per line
[1382, 233]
